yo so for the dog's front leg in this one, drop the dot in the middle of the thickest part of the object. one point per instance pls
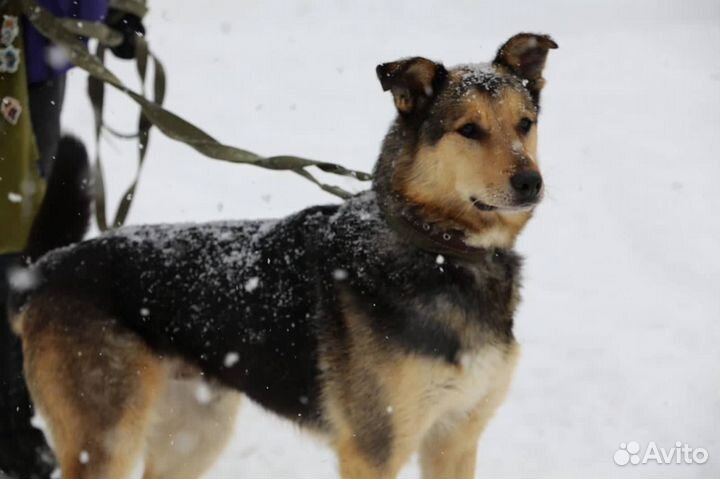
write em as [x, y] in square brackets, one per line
[450, 451]
[356, 463]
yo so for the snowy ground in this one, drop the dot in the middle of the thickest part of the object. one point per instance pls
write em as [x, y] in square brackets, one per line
[621, 318]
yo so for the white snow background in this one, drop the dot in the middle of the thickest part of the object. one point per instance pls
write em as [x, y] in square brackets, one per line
[620, 323]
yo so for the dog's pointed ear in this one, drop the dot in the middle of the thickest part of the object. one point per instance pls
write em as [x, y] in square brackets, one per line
[412, 81]
[524, 56]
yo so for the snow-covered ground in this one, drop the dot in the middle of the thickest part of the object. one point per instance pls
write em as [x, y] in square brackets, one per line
[621, 315]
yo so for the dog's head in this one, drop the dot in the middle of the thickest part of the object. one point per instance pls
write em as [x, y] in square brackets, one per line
[463, 148]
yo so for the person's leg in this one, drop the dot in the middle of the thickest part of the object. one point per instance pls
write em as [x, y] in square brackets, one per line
[46, 100]
[23, 450]
[24, 453]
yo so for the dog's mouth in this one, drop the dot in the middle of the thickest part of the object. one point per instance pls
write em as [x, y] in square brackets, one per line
[515, 208]
[482, 206]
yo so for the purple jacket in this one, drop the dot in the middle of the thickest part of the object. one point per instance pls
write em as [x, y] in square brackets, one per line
[36, 45]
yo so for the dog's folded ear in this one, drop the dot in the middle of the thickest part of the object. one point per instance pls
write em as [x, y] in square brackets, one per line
[524, 55]
[412, 81]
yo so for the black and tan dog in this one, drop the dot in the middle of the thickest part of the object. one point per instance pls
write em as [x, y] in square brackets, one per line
[384, 323]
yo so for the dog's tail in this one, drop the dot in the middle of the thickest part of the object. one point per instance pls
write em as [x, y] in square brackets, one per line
[64, 215]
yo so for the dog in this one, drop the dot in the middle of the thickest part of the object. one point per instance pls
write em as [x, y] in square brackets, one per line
[384, 323]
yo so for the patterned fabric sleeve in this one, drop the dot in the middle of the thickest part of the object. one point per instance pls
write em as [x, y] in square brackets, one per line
[21, 187]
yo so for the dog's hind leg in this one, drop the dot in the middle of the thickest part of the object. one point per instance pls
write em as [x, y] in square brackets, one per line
[194, 422]
[94, 383]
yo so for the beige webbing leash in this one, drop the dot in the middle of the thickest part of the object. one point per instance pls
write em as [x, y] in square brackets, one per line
[65, 34]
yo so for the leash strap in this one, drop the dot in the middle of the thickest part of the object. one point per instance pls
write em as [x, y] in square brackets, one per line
[96, 92]
[153, 112]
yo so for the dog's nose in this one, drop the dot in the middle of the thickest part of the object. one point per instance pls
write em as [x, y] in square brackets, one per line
[527, 185]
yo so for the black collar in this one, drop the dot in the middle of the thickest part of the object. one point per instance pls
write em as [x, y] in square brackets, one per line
[433, 237]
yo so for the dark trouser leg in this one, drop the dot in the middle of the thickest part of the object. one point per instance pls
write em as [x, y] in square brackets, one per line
[46, 100]
[24, 453]
[23, 450]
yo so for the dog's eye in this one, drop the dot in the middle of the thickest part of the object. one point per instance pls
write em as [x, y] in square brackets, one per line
[472, 131]
[525, 125]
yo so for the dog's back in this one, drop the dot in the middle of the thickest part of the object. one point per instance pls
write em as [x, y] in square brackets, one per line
[208, 293]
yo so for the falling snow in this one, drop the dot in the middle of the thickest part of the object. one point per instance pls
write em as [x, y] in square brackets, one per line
[340, 274]
[203, 394]
[252, 284]
[639, 310]
[56, 56]
[22, 279]
[231, 359]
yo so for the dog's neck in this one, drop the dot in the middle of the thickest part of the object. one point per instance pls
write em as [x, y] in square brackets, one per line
[414, 224]
[437, 237]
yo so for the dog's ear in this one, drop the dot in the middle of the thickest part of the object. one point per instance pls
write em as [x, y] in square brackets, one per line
[412, 81]
[524, 56]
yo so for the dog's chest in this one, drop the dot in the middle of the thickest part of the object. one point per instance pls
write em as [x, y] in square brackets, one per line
[478, 375]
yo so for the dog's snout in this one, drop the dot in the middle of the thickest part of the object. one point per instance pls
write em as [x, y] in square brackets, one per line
[527, 185]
